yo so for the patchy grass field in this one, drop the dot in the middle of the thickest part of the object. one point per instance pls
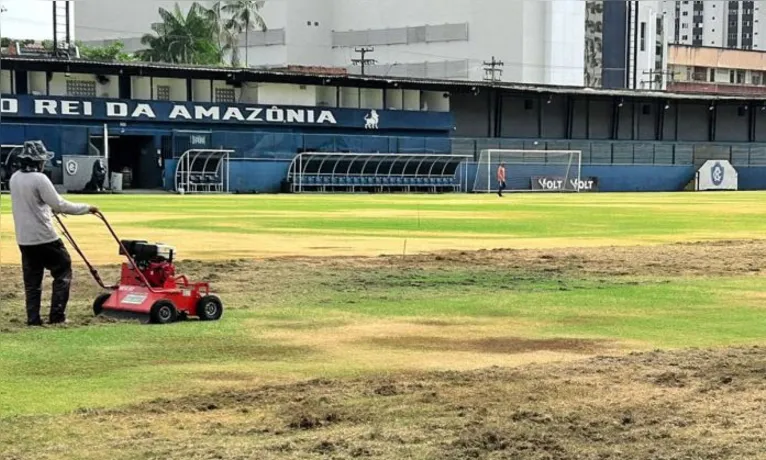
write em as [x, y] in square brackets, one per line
[410, 327]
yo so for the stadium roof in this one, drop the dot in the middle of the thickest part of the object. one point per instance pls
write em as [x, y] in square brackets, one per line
[325, 77]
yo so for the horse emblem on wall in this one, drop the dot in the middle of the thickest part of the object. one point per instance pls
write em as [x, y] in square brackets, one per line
[371, 120]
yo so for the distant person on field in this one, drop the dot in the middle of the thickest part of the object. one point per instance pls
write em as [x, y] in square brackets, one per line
[501, 179]
[33, 198]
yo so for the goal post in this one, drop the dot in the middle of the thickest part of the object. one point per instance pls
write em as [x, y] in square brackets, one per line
[529, 170]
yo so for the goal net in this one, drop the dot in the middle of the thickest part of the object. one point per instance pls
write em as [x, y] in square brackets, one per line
[529, 170]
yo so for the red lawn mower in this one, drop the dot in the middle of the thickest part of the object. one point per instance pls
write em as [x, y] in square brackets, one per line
[149, 289]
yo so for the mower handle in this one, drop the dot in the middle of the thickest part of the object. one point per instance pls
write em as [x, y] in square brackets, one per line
[93, 271]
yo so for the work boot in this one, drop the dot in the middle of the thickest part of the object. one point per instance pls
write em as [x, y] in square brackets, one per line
[57, 319]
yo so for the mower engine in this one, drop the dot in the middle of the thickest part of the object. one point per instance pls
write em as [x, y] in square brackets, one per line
[149, 287]
[154, 260]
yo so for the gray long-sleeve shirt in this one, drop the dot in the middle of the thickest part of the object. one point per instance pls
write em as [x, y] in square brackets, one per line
[32, 200]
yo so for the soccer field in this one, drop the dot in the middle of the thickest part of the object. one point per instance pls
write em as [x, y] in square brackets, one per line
[226, 227]
[408, 326]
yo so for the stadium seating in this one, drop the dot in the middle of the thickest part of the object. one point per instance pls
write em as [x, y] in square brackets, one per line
[381, 183]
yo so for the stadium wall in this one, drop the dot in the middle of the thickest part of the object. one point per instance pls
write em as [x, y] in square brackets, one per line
[620, 178]
[266, 176]
[751, 177]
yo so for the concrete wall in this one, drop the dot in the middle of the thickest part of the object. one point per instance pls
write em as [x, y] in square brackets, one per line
[751, 177]
[640, 178]
[529, 116]
[246, 176]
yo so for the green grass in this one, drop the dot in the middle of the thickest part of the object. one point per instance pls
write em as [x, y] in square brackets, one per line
[59, 370]
[621, 216]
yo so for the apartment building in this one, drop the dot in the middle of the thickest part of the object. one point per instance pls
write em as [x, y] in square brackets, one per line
[717, 70]
[723, 24]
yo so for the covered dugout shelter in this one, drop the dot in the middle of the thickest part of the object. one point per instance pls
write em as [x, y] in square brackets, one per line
[203, 171]
[376, 172]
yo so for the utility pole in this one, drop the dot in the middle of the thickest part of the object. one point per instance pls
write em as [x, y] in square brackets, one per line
[362, 61]
[490, 68]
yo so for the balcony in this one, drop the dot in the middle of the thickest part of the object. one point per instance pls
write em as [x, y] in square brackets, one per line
[715, 88]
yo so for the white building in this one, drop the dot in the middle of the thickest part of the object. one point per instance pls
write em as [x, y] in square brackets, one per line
[538, 41]
[625, 44]
[723, 24]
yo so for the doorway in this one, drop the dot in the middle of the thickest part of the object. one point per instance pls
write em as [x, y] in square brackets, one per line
[136, 159]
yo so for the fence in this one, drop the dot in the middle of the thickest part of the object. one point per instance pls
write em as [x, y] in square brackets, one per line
[286, 145]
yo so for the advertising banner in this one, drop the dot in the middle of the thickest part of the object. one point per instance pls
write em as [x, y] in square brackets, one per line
[559, 183]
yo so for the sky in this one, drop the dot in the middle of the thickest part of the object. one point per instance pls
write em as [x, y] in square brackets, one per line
[27, 19]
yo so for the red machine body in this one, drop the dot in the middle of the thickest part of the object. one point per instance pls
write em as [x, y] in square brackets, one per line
[149, 287]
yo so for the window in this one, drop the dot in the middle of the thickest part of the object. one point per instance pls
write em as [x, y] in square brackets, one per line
[81, 88]
[756, 78]
[740, 77]
[685, 37]
[226, 95]
[731, 76]
[643, 36]
[163, 93]
[712, 75]
[699, 74]
[685, 13]
[684, 26]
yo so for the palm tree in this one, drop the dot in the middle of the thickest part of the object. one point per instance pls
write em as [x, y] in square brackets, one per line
[182, 38]
[244, 16]
[227, 39]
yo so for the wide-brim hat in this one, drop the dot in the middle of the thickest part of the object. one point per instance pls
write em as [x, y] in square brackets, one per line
[34, 151]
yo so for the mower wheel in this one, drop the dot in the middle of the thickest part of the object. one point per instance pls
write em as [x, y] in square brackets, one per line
[98, 304]
[209, 308]
[163, 312]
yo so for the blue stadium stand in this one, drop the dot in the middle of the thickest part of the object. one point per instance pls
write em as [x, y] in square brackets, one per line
[375, 172]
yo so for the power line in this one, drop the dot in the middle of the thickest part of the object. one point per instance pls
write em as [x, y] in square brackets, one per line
[491, 68]
[363, 50]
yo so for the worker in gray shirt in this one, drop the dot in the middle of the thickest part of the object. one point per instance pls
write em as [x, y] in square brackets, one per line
[33, 198]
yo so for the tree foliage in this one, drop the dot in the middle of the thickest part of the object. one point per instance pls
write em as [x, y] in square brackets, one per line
[112, 52]
[183, 38]
[243, 16]
[201, 36]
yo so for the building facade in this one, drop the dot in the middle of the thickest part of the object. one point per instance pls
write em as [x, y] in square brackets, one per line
[722, 24]
[539, 42]
[715, 70]
[146, 115]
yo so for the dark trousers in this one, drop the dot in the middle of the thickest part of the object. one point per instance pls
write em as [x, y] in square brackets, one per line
[34, 261]
[501, 188]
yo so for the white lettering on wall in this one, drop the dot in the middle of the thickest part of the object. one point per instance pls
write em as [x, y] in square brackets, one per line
[70, 108]
[233, 113]
[43, 106]
[144, 110]
[9, 106]
[202, 113]
[296, 116]
[180, 111]
[116, 109]
[326, 116]
[153, 111]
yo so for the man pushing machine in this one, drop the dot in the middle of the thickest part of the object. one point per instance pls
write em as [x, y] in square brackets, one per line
[33, 198]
